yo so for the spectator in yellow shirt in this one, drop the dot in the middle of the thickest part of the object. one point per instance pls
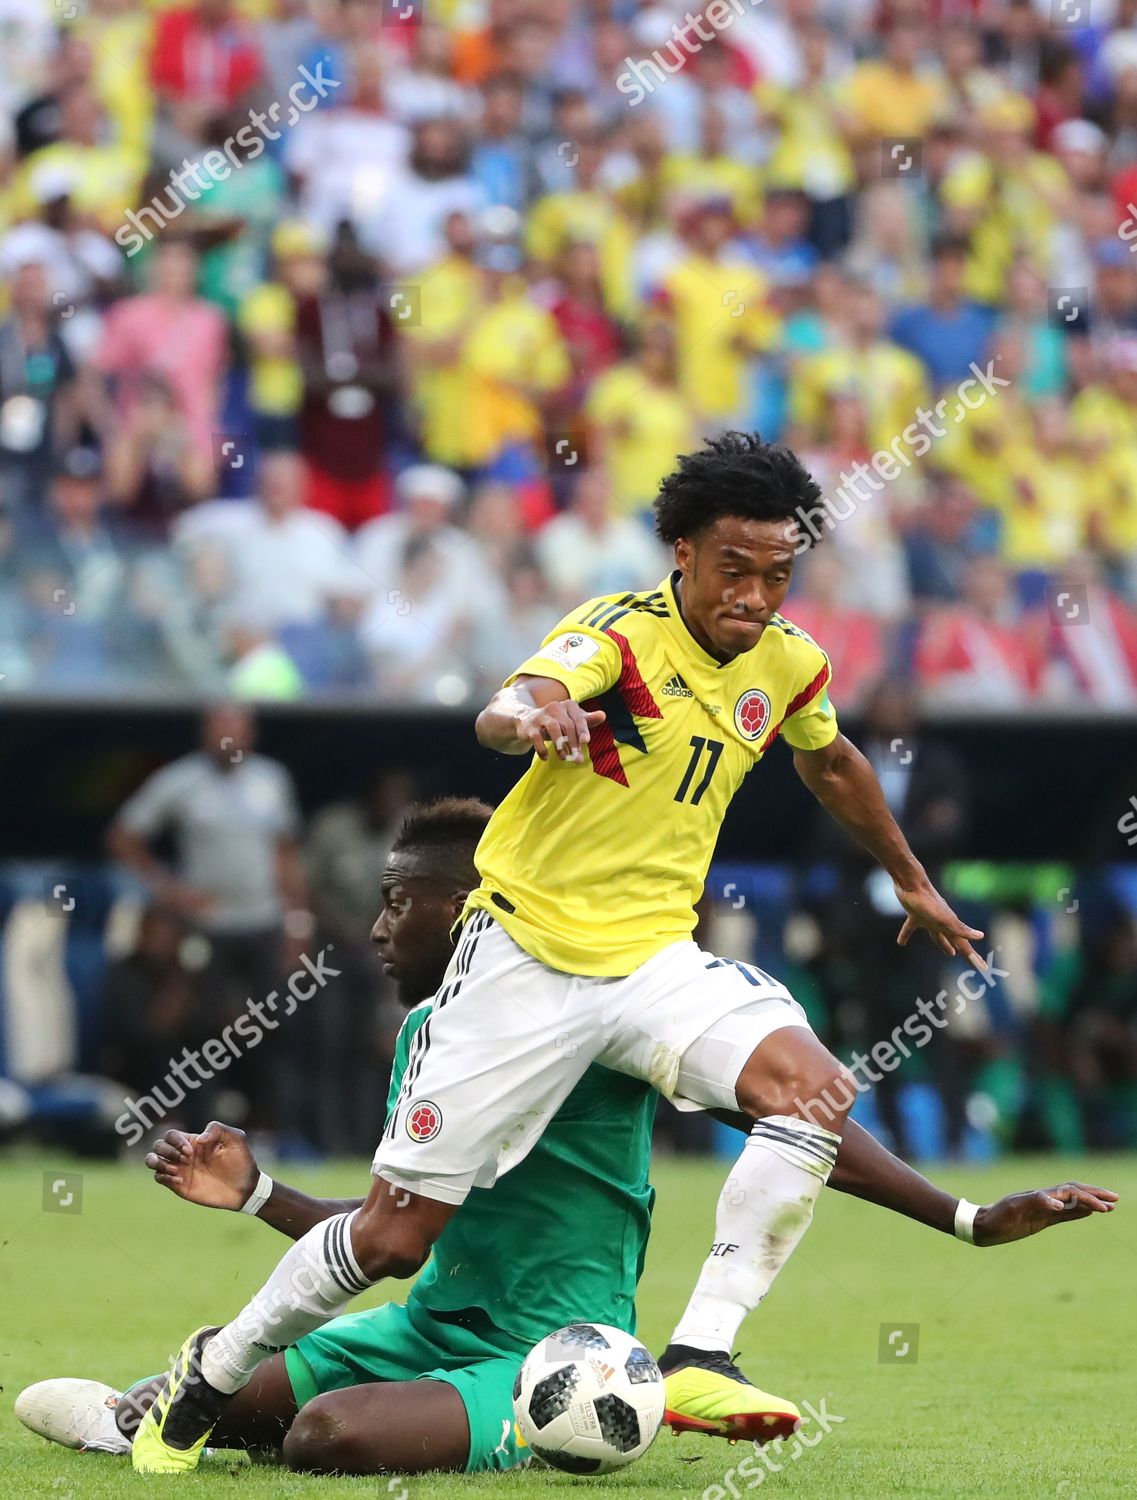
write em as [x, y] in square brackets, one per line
[890, 382]
[1046, 522]
[512, 363]
[119, 36]
[1008, 198]
[587, 211]
[811, 146]
[451, 295]
[106, 178]
[894, 95]
[713, 169]
[719, 303]
[267, 319]
[1105, 413]
[639, 420]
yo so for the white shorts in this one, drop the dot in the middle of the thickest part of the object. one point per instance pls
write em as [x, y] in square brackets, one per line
[509, 1038]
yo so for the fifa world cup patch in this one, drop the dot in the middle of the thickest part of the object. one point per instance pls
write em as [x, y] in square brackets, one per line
[424, 1120]
[570, 651]
[752, 713]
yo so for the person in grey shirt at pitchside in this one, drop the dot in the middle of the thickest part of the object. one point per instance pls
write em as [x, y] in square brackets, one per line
[236, 879]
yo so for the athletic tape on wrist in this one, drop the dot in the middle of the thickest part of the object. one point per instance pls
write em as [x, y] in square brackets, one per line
[260, 1195]
[965, 1221]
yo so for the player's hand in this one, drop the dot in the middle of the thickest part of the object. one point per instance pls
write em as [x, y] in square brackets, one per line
[1020, 1215]
[215, 1168]
[562, 724]
[928, 910]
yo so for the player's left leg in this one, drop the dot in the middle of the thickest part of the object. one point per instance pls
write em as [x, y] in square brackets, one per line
[258, 1416]
[715, 1034]
[413, 1427]
[318, 1276]
[399, 1388]
[460, 1420]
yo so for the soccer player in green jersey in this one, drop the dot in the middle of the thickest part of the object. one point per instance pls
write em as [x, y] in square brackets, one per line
[429, 1385]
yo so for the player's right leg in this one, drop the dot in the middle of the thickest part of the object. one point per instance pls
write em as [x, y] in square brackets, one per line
[506, 1043]
[712, 1033]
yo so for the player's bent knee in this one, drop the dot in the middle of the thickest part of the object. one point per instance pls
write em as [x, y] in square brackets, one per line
[821, 1090]
[387, 1245]
[319, 1440]
[824, 1094]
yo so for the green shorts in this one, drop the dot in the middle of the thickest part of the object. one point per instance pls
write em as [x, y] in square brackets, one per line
[411, 1343]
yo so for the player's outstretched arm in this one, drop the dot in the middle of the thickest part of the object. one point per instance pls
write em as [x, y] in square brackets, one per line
[845, 784]
[867, 1170]
[218, 1170]
[532, 714]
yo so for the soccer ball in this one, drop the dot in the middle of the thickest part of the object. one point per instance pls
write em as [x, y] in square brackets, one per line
[588, 1399]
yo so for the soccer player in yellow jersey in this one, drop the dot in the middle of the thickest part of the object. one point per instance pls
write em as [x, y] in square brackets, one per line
[642, 714]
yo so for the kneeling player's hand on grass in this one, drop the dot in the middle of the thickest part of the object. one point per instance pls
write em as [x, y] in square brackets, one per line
[563, 724]
[215, 1168]
[1019, 1215]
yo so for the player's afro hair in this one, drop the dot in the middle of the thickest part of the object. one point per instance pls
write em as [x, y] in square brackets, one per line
[735, 474]
[448, 829]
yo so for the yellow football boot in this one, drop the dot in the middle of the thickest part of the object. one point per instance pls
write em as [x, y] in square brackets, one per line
[171, 1436]
[707, 1392]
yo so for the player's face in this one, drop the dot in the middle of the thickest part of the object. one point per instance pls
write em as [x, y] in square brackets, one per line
[412, 930]
[736, 575]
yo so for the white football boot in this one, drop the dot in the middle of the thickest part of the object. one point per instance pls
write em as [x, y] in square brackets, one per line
[76, 1413]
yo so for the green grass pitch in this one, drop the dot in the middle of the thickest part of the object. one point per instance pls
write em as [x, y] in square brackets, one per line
[1022, 1384]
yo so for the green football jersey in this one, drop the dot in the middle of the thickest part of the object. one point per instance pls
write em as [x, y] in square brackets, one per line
[561, 1238]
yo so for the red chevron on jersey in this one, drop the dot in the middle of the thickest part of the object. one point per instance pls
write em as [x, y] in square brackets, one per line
[806, 695]
[632, 697]
[631, 686]
[602, 751]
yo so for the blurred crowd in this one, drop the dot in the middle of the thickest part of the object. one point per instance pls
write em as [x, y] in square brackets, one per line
[343, 344]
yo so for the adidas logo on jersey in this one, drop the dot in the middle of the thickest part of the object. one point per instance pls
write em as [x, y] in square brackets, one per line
[675, 687]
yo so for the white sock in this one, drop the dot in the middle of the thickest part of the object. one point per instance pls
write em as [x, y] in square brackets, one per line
[765, 1207]
[313, 1283]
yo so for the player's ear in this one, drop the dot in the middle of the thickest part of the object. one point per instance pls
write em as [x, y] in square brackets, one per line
[457, 902]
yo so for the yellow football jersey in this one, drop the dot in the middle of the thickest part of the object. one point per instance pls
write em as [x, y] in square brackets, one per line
[593, 867]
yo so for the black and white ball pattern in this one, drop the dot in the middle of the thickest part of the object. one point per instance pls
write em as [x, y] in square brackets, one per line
[589, 1398]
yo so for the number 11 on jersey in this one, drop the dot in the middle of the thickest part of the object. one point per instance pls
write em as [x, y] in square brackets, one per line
[698, 745]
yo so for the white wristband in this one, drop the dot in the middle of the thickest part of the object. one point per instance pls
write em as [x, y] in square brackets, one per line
[965, 1221]
[260, 1195]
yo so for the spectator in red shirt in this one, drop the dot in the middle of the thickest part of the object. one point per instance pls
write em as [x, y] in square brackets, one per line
[1059, 95]
[591, 336]
[854, 639]
[981, 653]
[205, 60]
[347, 358]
